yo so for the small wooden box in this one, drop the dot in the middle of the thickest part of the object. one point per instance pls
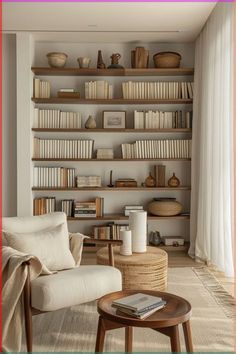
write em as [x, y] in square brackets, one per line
[126, 184]
[68, 94]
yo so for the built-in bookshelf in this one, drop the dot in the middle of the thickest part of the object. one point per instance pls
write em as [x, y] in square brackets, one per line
[50, 121]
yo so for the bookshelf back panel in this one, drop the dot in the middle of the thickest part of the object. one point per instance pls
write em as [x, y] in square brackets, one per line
[137, 170]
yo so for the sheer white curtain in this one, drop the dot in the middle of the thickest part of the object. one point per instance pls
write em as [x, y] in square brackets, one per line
[211, 237]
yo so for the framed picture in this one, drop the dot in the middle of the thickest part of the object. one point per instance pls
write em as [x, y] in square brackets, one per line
[114, 119]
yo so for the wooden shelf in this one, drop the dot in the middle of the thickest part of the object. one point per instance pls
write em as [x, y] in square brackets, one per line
[115, 189]
[48, 71]
[101, 130]
[114, 160]
[109, 101]
[122, 217]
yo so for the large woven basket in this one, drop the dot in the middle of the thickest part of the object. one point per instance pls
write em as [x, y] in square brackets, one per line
[167, 60]
[165, 208]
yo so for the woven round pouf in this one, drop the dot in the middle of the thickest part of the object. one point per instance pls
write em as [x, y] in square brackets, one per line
[146, 271]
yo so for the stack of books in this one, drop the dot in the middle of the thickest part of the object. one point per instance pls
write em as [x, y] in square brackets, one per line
[89, 209]
[129, 208]
[139, 305]
[89, 181]
[85, 209]
[105, 154]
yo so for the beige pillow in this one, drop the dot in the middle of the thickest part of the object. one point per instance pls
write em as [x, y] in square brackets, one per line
[50, 246]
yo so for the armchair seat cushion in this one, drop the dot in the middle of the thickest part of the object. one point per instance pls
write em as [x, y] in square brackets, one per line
[74, 286]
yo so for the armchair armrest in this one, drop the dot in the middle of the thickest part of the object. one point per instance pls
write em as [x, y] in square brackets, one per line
[109, 244]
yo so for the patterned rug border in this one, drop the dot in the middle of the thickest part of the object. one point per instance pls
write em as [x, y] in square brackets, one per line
[217, 291]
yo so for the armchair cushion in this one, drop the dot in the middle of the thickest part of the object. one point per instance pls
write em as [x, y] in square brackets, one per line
[50, 246]
[74, 286]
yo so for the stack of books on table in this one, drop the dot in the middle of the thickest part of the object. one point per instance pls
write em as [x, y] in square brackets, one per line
[129, 208]
[139, 305]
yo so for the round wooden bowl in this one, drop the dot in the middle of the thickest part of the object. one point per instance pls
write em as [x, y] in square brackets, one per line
[167, 60]
[57, 60]
[165, 208]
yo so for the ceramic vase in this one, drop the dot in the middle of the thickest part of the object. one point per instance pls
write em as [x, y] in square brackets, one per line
[173, 181]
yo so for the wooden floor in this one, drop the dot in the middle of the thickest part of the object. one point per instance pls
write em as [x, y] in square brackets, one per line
[177, 259]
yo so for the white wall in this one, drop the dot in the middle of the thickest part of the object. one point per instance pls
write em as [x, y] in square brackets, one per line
[9, 164]
[139, 170]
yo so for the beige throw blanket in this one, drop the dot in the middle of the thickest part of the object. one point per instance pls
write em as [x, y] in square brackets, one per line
[14, 274]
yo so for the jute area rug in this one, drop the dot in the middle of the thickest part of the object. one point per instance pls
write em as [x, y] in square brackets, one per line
[74, 329]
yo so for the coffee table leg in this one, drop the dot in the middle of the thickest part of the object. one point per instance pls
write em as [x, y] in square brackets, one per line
[188, 337]
[100, 336]
[128, 339]
[174, 339]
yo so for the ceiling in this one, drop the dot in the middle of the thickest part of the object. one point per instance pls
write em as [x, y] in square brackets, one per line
[107, 22]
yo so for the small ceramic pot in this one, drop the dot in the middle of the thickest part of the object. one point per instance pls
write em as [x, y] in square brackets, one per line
[173, 181]
[150, 181]
[84, 62]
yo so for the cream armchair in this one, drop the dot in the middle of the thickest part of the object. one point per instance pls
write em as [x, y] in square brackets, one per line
[65, 288]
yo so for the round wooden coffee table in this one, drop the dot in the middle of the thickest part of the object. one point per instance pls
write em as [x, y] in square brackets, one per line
[141, 270]
[177, 311]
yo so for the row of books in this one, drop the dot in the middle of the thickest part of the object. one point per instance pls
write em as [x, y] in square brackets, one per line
[162, 120]
[157, 90]
[41, 88]
[89, 209]
[60, 148]
[54, 118]
[110, 231]
[67, 206]
[57, 177]
[99, 89]
[157, 149]
[138, 305]
[44, 205]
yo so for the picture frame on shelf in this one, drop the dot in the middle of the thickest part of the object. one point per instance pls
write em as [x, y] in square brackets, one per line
[114, 120]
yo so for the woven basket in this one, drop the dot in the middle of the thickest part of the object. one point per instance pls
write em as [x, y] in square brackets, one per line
[167, 60]
[165, 208]
[143, 271]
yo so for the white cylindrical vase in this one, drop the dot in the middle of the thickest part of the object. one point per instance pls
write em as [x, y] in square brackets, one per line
[126, 247]
[138, 227]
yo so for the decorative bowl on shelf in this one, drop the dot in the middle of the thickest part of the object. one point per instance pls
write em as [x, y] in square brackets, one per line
[56, 59]
[165, 207]
[167, 60]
